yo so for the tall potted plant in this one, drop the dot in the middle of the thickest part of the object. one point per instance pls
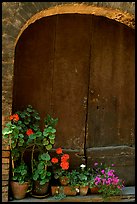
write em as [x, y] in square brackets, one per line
[23, 133]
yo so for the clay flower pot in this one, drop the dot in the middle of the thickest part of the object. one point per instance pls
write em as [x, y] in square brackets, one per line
[67, 190]
[94, 190]
[19, 190]
[54, 190]
[40, 189]
[83, 190]
[64, 180]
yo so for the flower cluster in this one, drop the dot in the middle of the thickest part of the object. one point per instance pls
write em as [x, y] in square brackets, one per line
[14, 117]
[107, 181]
[61, 160]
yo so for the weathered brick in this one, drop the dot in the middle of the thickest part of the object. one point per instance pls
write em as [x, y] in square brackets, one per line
[5, 189]
[5, 175]
[5, 197]
[5, 147]
[5, 154]
[5, 167]
[5, 183]
[5, 160]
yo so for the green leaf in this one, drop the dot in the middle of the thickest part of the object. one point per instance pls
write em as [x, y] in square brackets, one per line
[41, 165]
[51, 136]
[48, 147]
[45, 133]
[52, 141]
[21, 135]
[48, 173]
[45, 142]
[32, 136]
[6, 131]
[23, 172]
[35, 176]
[42, 176]
[43, 181]
[45, 156]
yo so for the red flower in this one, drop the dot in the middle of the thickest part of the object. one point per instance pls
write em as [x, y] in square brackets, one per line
[11, 117]
[54, 160]
[14, 117]
[64, 165]
[59, 150]
[65, 157]
[29, 132]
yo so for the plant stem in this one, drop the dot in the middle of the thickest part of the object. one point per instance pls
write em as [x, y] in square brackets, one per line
[32, 157]
[12, 162]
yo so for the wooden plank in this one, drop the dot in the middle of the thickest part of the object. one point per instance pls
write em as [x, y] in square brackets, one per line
[123, 157]
[111, 104]
[34, 66]
[70, 85]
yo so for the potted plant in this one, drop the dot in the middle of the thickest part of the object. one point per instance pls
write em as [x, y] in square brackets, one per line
[20, 181]
[15, 133]
[107, 181]
[60, 165]
[23, 133]
[83, 177]
[41, 142]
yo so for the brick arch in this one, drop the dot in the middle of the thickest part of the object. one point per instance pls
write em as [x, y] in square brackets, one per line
[115, 14]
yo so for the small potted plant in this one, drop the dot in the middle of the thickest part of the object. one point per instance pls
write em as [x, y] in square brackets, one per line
[107, 181]
[20, 181]
[41, 142]
[83, 177]
[15, 133]
[61, 166]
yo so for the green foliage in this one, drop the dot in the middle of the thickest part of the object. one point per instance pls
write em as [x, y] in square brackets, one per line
[23, 132]
[21, 173]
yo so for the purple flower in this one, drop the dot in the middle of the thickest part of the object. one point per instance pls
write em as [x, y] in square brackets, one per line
[112, 165]
[103, 171]
[95, 164]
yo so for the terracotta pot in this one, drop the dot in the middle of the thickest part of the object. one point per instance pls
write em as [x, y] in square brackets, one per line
[40, 189]
[83, 190]
[67, 190]
[19, 190]
[94, 190]
[64, 180]
[54, 190]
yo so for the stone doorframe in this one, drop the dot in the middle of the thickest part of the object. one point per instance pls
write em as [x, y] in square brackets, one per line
[16, 17]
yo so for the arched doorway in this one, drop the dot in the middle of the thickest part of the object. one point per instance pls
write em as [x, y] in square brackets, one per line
[76, 67]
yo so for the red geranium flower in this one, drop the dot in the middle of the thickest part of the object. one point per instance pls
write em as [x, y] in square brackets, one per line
[11, 117]
[59, 150]
[15, 117]
[54, 160]
[29, 132]
[64, 165]
[65, 157]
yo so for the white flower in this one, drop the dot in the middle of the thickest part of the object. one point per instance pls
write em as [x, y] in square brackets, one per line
[82, 166]
[77, 190]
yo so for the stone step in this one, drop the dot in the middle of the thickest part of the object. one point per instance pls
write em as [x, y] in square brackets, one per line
[128, 195]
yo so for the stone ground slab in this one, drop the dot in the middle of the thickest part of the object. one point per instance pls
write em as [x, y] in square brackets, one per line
[128, 195]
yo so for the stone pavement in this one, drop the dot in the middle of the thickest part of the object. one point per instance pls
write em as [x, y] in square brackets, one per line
[128, 195]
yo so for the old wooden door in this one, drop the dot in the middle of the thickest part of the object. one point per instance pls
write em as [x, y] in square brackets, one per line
[111, 98]
[80, 68]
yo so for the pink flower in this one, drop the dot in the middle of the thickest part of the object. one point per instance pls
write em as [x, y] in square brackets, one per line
[103, 171]
[113, 165]
[95, 164]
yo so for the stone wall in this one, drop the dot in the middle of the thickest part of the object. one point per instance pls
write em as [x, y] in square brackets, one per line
[16, 16]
